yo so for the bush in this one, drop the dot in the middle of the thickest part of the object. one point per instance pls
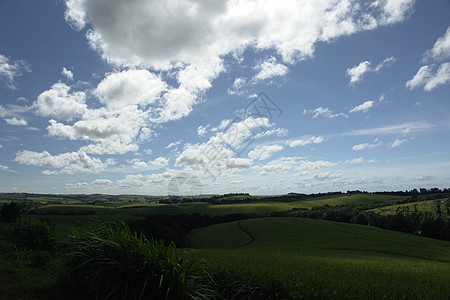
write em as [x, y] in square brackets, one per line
[34, 234]
[113, 262]
[10, 212]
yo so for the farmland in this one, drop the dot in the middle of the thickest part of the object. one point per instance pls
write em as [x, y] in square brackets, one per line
[256, 247]
[329, 260]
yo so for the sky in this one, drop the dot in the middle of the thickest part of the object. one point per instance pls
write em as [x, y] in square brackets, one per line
[211, 97]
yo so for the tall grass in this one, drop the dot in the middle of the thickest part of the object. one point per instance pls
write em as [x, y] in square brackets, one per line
[113, 262]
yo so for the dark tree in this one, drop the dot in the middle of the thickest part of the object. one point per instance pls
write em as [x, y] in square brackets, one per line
[10, 212]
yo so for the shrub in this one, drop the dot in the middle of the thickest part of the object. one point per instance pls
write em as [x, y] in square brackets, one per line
[113, 262]
[10, 212]
[34, 234]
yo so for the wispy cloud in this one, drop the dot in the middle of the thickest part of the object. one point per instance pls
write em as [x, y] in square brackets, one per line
[357, 73]
[362, 107]
[404, 128]
[364, 146]
[324, 112]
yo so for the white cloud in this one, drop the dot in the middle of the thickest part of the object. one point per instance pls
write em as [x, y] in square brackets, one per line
[432, 76]
[190, 38]
[11, 69]
[238, 84]
[398, 143]
[287, 164]
[155, 164]
[441, 48]
[131, 87]
[430, 80]
[67, 73]
[3, 168]
[101, 182]
[364, 146]
[238, 163]
[202, 130]
[315, 165]
[305, 141]
[229, 140]
[324, 112]
[404, 128]
[191, 31]
[386, 62]
[264, 152]
[362, 107]
[67, 163]
[269, 69]
[16, 122]
[173, 144]
[60, 104]
[131, 181]
[355, 161]
[356, 73]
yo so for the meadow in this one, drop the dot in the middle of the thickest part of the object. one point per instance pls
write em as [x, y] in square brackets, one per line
[266, 257]
[316, 259]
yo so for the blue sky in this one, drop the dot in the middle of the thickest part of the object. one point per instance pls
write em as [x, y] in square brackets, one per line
[187, 97]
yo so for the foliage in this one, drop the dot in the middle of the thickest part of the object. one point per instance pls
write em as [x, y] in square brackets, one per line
[34, 234]
[433, 223]
[10, 212]
[113, 262]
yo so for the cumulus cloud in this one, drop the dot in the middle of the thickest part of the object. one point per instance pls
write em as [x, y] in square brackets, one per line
[264, 152]
[131, 181]
[434, 75]
[202, 130]
[67, 73]
[101, 182]
[305, 141]
[356, 73]
[237, 86]
[131, 87]
[287, 164]
[230, 140]
[67, 163]
[430, 78]
[191, 31]
[440, 50]
[157, 163]
[59, 103]
[269, 69]
[187, 41]
[16, 122]
[11, 69]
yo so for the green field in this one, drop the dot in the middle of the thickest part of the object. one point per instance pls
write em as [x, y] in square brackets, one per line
[64, 215]
[321, 259]
[422, 206]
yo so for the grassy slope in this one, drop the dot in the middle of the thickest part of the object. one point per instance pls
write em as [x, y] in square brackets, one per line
[328, 259]
[422, 206]
[128, 211]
